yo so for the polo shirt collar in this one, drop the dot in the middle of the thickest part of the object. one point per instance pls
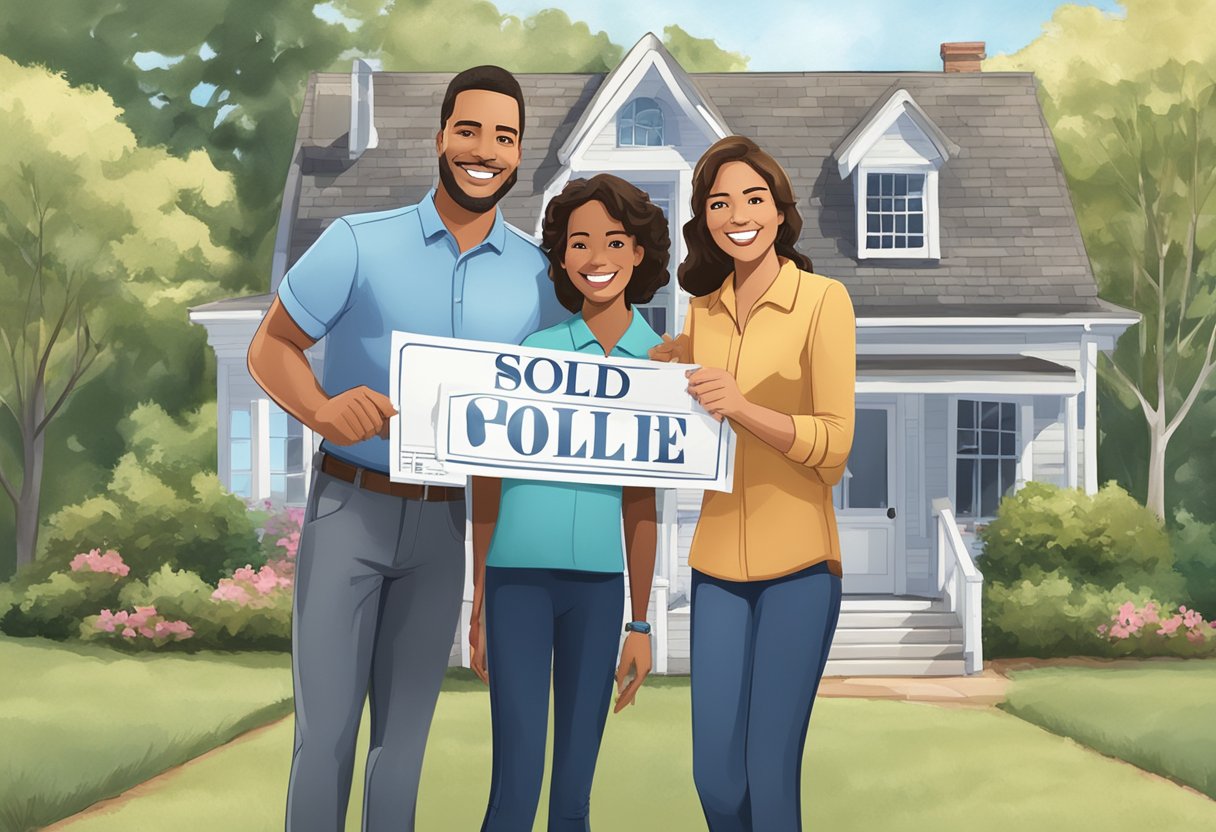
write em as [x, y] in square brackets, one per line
[432, 225]
[781, 293]
[635, 342]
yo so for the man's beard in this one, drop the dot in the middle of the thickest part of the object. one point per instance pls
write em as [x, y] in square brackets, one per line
[475, 204]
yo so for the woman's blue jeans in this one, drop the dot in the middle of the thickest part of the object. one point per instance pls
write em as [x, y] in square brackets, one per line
[758, 652]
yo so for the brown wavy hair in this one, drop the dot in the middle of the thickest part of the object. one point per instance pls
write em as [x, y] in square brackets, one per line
[706, 266]
[632, 208]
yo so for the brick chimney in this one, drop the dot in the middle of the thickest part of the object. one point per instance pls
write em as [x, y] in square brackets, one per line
[962, 57]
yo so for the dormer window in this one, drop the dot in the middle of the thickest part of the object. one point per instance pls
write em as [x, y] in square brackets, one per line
[640, 124]
[893, 157]
[895, 213]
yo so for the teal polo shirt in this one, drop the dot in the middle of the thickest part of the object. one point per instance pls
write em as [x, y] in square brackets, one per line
[369, 274]
[551, 525]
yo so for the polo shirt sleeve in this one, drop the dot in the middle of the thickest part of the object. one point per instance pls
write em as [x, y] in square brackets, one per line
[551, 310]
[316, 289]
[822, 439]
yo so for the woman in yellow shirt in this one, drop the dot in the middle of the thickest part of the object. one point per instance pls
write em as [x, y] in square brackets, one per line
[776, 345]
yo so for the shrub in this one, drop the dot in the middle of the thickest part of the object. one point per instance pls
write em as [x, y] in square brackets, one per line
[1195, 558]
[54, 607]
[1102, 540]
[1153, 630]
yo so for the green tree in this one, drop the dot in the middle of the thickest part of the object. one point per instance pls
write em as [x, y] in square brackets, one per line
[224, 76]
[455, 34]
[1132, 104]
[93, 237]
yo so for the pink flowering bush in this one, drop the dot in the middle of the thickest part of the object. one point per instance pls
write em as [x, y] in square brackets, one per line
[1153, 629]
[248, 588]
[95, 561]
[143, 623]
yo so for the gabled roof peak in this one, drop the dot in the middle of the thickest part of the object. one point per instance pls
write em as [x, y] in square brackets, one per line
[895, 102]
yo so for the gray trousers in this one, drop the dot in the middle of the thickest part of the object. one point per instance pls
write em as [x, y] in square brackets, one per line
[378, 588]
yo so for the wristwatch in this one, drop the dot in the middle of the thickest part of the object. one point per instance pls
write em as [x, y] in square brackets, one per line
[638, 627]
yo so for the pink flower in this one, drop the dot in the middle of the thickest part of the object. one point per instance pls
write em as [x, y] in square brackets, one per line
[1190, 618]
[1169, 626]
[1150, 612]
[128, 633]
[1101, 629]
[1194, 636]
[1120, 631]
[94, 561]
[228, 591]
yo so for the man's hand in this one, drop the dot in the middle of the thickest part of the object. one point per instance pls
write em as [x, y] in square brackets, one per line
[677, 350]
[354, 415]
[717, 391]
[636, 655]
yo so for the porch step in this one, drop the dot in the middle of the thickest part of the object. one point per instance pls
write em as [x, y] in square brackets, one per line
[895, 667]
[888, 619]
[887, 603]
[896, 635]
[897, 652]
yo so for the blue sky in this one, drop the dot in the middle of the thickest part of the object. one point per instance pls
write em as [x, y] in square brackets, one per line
[817, 35]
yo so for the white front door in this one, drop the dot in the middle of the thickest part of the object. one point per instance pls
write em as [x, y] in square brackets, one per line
[865, 512]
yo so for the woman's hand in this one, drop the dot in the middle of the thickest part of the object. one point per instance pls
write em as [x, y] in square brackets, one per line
[636, 655]
[477, 641]
[717, 391]
[677, 350]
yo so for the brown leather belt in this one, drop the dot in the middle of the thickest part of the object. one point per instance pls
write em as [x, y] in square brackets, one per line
[380, 483]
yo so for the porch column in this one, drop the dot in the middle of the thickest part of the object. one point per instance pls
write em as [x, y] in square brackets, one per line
[1091, 415]
[259, 432]
[1070, 441]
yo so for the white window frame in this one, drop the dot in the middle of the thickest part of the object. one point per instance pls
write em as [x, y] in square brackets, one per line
[931, 250]
[1024, 465]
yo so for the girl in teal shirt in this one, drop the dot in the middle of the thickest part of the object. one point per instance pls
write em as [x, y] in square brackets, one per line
[552, 580]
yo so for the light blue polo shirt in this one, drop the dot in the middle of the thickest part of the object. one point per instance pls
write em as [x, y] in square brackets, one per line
[369, 274]
[551, 525]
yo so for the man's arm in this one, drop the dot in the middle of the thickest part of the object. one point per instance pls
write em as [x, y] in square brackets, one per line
[277, 363]
[487, 491]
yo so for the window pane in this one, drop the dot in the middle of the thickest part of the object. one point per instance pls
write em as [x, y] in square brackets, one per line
[240, 458]
[874, 204]
[888, 223]
[278, 454]
[241, 485]
[916, 205]
[867, 469]
[872, 183]
[278, 422]
[1008, 443]
[872, 222]
[916, 184]
[872, 241]
[901, 184]
[990, 486]
[901, 224]
[990, 442]
[624, 133]
[295, 453]
[968, 441]
[916, 223]
[888, 205]
[966, 414]
[238, 426]
[990, 415]
[916, 242]
[901, 205]
[888, 241]
[278, 486]
[1008, 414]
[888, 184]
[1008, 475]
[964, 487]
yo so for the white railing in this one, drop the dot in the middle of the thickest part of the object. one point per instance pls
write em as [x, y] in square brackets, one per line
[960, 583]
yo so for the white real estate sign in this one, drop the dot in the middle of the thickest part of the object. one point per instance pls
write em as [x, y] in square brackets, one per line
[471, 407]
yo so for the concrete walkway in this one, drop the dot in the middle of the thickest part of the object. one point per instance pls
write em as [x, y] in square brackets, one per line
[981, 690]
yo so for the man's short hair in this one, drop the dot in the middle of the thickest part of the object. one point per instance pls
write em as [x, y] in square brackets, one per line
[487, 77]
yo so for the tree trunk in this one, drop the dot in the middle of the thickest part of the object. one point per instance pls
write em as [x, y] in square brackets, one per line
[1158, 442]
[28, 502]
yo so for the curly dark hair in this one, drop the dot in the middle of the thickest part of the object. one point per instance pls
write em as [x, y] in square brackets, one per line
[632, 208]
[706, 266]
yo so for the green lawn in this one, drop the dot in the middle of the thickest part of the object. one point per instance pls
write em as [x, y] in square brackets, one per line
[1159, 715]
[79, 723]
[870, 765]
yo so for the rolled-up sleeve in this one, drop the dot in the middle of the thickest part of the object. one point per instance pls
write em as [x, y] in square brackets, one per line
[316, 289]
[822, 439]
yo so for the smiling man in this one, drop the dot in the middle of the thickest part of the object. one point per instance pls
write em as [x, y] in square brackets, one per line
[380, 567]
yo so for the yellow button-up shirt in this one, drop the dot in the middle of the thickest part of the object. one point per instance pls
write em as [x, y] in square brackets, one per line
[795, 354]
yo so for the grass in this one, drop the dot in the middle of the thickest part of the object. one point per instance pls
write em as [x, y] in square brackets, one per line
[1160, 715]
[79, 723]
[869, 765]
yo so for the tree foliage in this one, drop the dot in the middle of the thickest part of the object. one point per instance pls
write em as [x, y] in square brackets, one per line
[97, 258]
[1132, 104]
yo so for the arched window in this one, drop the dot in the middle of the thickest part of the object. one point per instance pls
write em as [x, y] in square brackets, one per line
[640, 124]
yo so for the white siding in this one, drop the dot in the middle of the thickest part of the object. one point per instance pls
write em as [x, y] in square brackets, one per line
[1049, 443]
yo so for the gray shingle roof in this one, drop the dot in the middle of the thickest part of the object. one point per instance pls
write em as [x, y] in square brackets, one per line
[1009, 239]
